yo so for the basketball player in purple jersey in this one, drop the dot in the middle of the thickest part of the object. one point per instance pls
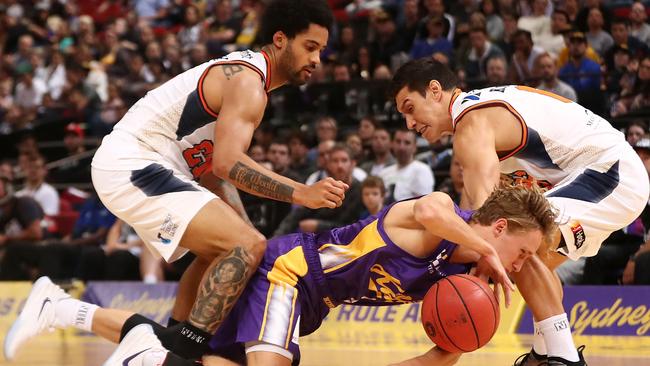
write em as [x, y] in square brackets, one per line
[391, 258]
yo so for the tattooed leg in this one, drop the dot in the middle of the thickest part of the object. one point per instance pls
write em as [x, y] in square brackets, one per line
[222, 285]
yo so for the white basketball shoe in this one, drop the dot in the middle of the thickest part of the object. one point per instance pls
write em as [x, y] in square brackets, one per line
[140, 347]
[37, 316]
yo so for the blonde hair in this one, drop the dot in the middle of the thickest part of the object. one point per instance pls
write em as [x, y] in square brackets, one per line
[525, 208]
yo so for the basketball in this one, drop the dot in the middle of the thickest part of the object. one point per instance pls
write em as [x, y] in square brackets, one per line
[460, 313]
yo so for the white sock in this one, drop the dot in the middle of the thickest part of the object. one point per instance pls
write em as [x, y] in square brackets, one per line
[538, 340]
[150, 279]
[74, 313]
[556, 331]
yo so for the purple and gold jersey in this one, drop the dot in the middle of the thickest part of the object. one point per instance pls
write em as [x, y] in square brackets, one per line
[303, 275]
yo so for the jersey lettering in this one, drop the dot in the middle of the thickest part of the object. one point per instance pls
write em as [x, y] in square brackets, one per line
[544, 92]
[199, 158]
[385, 287]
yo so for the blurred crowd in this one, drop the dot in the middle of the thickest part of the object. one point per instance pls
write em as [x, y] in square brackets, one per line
[69, 70]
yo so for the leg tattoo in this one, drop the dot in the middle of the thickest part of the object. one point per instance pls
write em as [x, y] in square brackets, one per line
[220, 289]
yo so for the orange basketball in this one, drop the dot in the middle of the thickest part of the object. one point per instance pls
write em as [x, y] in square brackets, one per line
[460, 313]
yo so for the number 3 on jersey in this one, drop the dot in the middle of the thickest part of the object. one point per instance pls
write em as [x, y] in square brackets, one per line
[199, 158]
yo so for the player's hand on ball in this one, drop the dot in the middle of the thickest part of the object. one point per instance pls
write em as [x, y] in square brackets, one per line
[328, 193]
[490, 266]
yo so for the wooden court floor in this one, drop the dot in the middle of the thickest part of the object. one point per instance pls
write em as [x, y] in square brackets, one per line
[69, 349]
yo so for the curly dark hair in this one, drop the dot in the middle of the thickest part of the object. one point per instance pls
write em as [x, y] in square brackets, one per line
[416, 75]
[293, 17]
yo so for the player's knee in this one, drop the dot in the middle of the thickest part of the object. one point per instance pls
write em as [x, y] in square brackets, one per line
[255, 246]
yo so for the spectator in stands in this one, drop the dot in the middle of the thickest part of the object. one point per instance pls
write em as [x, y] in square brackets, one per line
[52, 75]
[20, 217]
[341, 73]
[382, 156]
[37, 188]
[433, 42]
[223, 28]
[111, 111]
[545, 70]
[353, 142]
[192, 31]
[366, 128]
[408, 177]
[638, 26]
[494, 23]
[597, 38]
[20, 228]
[387, 42]
[347, 47]
[258, 153]
[322, 151]
[73, 255]
[583, 14]
[523, 58]
[436, 9]
[572, 7]
[339, 166]
[75, 168]
[29, 91]
[538, 23]
[382, 72]
[326, 129]
[363, 63]
[622, 37]
[481, 50]
[154, 12]
[373, 192]
[7, 170]
[278, 156]
[582, 73]
[126, 260]
[635, 95]
[622, 73]
[454, 185]
[408, 28]
[298, 148]
[496, 71]
[509, 30]
[559, 25]
[635, 131]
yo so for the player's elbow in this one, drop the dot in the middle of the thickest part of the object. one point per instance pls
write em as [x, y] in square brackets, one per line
[220, 169]
[432, 207]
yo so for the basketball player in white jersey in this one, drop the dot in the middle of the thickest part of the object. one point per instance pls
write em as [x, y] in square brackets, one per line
[594, 179]
[197, 124]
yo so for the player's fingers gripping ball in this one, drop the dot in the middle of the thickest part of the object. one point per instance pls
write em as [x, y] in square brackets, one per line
[460, 313]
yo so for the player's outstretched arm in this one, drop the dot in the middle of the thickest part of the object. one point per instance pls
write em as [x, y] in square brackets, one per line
[474, 147]
[241, 110]
[436, 213]
[435, 356]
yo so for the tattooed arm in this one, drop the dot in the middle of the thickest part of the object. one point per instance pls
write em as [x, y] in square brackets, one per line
[238, 94]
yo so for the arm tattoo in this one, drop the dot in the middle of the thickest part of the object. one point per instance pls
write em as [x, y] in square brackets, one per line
[259, 183]
[219, 291]
[231, 70]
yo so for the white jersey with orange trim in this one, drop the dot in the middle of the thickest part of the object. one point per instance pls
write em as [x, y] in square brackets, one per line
[594, 178]
[559, 136]
[173, 121]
